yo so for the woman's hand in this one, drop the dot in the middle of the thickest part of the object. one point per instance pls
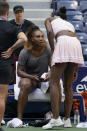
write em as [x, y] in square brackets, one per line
[35, 77]
[47, 76]
[7, 54]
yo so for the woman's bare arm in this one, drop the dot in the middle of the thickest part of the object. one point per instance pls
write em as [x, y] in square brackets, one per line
[50, 34]
[23, 74]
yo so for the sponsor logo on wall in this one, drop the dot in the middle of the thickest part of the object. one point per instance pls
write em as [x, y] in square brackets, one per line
[81, 84]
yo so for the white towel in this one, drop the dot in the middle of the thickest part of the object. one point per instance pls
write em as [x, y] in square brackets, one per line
[44, 85]
[82, 125]
[14, 123]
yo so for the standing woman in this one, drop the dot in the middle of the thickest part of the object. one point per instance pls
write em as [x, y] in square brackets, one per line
[66, 57]
[8, 33]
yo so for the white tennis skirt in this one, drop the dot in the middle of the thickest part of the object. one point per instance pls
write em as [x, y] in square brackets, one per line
[68, 49]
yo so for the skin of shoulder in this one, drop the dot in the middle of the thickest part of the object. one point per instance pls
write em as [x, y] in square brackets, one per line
[48, 24]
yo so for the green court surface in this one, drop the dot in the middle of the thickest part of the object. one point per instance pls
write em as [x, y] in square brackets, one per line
[30, 128]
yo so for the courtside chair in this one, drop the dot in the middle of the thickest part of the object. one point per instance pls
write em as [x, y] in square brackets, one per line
[70, 5]
[84, 50]
[86, 26]
[82, 37]
[85, 17]
[74, 15]
[85, 63]
[80, 1]
[79, 27]
[83, 6]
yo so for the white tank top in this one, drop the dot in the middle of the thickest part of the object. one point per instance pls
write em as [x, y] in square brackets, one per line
[59, 24]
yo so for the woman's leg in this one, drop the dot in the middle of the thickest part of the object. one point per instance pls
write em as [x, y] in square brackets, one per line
[68, 79]
[26, 87]
[55, 91]
[3, 97]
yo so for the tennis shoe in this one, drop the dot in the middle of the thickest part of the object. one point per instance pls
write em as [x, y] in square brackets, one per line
[53, 123]
[67, 123]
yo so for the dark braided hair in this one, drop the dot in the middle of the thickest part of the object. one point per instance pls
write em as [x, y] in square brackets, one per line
[31, 30]
[62, 12]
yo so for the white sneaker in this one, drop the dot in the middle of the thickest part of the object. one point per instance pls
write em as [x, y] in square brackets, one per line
[67, 123]
[53, 123]
[3, 122]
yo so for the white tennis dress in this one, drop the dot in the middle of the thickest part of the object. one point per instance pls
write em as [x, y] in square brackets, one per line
[67, 48]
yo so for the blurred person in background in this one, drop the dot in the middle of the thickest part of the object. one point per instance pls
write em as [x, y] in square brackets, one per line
[19, 21]
[23, 24]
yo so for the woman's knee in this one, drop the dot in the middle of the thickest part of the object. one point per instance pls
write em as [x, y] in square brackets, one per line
[25, 83]
[26, 86]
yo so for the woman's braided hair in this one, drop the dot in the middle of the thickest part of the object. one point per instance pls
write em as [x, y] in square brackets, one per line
[31, 30]
[29, 34]
[62, 13]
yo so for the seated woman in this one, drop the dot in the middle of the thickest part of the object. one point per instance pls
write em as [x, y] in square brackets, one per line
[32, 63]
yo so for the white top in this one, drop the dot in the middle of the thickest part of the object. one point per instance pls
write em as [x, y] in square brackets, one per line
[59, 24]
